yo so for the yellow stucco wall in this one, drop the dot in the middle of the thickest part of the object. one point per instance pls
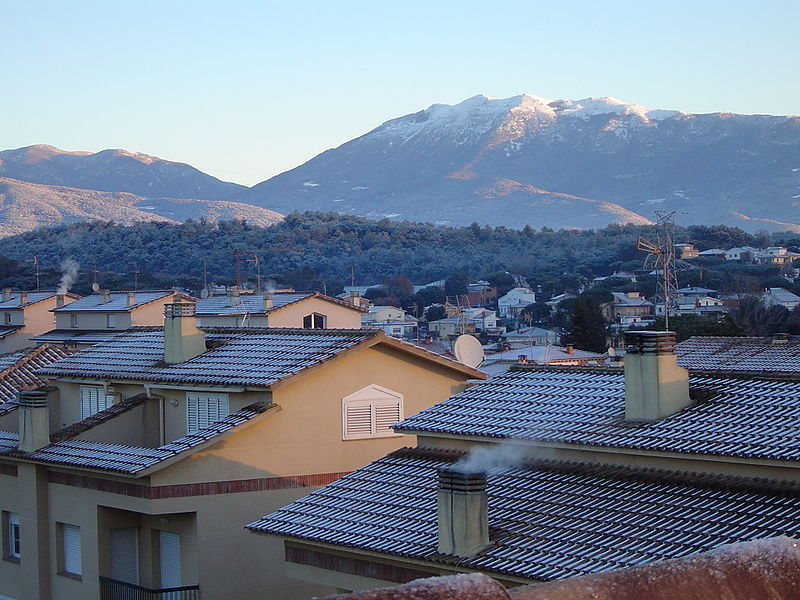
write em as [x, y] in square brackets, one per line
[338, 316]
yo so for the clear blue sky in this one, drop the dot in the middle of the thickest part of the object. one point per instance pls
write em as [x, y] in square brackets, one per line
[244, 90]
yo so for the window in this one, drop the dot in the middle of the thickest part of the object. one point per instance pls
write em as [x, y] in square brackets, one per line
[314, 321]
[204, 409]
[11, 538]
[69, 562]
[370, 413]
[169, 546]
[93, 400]
[111, 321]
[73, 320]
[7, 318]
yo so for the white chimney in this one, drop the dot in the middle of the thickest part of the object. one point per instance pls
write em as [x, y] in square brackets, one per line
[105, 296]
[233, 297]
[131, 298]
[23, 298]
[655, 386]
[34, 420]
[269, 301]
[355, 298]
[182, 339]
[462, 512]
[6, 294]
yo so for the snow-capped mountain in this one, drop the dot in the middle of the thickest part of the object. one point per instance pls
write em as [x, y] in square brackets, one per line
[113, 171]
[556, 163]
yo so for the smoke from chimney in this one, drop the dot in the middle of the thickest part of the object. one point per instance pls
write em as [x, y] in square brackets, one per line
[69, 268]
[495, 458]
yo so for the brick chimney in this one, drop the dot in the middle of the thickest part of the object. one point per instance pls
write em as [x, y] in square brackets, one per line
[182, 339]
[6, 294]
[355, 298]
[59, 300]
[462, 512]
[131, 298]
[269, 301]
[233, 297]
[34, 420]
[655, 386]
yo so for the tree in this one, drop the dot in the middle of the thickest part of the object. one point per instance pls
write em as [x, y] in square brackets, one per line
[398, 286]
[758, 320]
[435, 312]
[456, 284]
[502, 280]
[686, 326]
[587, 329]
[538, 311]
[429, 295]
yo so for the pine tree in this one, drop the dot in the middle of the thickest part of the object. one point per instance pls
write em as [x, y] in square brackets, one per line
[587, 329]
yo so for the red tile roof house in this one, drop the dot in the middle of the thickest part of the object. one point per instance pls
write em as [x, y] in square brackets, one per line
[549, 473]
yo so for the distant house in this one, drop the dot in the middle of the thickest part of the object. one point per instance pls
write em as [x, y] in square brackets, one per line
[514, 301]
[26, 315]
[376, 314]
[500, 362]
[398, 329]
[299, 310]
[452, 326]
[102, 315]
[555, 300]
[776, 255]
[686, 251]
[743, 253]
[628, 308]
[780, 297]
[531, 336]
[712, 253]
[695, 291]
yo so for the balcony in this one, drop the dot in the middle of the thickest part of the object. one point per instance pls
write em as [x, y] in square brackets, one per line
[111, 589]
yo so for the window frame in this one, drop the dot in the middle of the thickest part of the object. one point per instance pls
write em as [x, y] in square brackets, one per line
[8, 318]
[69, 540]
[111, 321]
[373, 403]
[11, 536]
[315, 321]
[99, 404]
[73, 320]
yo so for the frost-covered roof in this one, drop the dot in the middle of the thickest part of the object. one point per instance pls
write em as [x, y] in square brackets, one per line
[18, 372]
[33, 297]
[76, 336]
[753, 354]
[546, 521]
[255, 357]
[118, 302]
[732, 416]
[254, 303]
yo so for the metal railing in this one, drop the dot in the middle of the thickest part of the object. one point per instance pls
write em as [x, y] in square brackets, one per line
[111, 589]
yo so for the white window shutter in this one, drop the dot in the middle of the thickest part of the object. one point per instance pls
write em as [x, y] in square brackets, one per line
[386, 415]
[87, 395]
[72, 549]
[170, 551]
[203, 410]
[357, 421]
[370, 412]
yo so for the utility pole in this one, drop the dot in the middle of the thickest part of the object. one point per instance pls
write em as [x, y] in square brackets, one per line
[135, 272]
[205, 273]
[35, 261]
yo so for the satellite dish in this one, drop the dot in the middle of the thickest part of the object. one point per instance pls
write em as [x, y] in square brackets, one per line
[204, 293]
[95, 287]
[468, 350]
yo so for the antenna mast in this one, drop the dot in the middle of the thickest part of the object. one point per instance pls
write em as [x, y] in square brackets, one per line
[661, 258]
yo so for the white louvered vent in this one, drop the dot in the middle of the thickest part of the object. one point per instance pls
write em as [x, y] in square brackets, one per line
[370, 412]
[204, 409]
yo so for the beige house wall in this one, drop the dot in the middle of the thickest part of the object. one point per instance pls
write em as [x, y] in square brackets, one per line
[37, 319]
[338, 316]
[151, 313]
[96, 320]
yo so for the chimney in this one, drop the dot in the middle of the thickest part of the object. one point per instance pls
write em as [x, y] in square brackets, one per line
[233, 297]
[462, 512]
[269, 302]
[6, 294]
[569, 349]
[59, 300]
[23, 298]
[655, 386]
[131, 298]
[522, 359]
[182, 339]
[34, 420]
[105, 296]
[355, 298]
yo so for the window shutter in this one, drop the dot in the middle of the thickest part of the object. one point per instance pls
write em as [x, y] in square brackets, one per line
[93, 400]
[124, 555]
[86, 401]
[72, 549]
[170, 550]
[386, 415]
[357, 421]
[191, 414]
[202, 411]
[13, 535]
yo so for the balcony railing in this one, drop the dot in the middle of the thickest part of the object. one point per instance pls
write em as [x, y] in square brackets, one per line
[111, 589]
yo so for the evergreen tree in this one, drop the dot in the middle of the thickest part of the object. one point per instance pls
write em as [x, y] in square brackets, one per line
[587, 330]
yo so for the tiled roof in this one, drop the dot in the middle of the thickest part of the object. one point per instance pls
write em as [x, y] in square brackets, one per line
[6, 330]
[76, 336]
[731, 416]
[18, 372]
[33, 297]
[245, 303]
[548, 521]
[753, 354]
[118, 301]
[238, 356]
[119, 458]
[541, 354]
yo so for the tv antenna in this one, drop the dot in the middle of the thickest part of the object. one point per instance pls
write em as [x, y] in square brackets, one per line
[661, 259]
[35, 261]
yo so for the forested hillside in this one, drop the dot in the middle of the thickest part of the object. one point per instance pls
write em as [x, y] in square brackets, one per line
[316, 250]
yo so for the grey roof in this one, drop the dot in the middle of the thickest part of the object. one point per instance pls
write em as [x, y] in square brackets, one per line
[76, 336]
[118, 302]
[6, 330]
[753, 354]
[546, 521]
[530, 332]
[255, 357]
[32, 298]
[246, 303]
[779, 294]
[732, 416]
[543, 354]
[117, 457]
[18, 372]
